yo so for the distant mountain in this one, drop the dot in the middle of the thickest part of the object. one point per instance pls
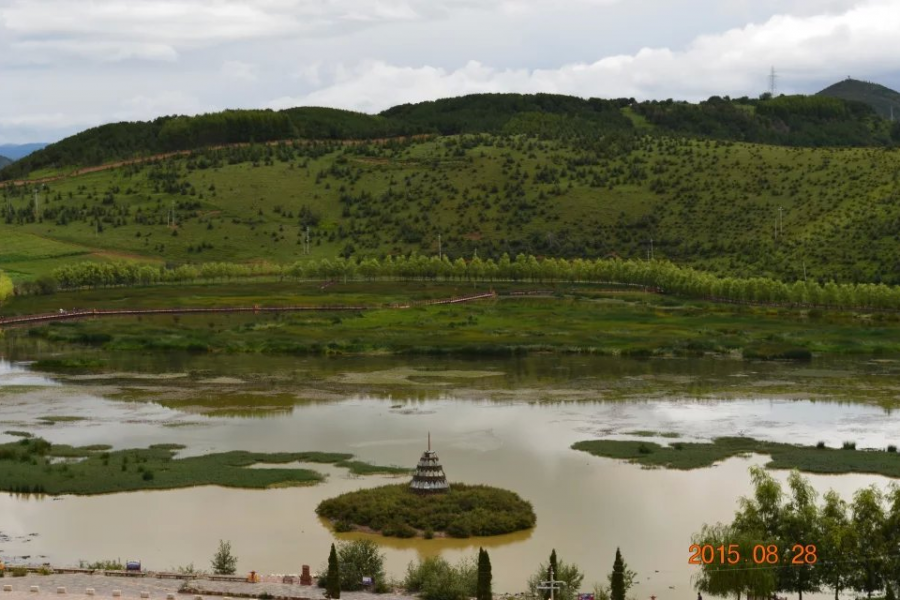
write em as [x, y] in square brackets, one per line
[4, 161]
[880, 98]
[17, 151]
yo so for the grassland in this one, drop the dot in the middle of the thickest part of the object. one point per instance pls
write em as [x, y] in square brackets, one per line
[578, 319]
[31, 465]
[695, 455]
[713, 205]
[395, 511]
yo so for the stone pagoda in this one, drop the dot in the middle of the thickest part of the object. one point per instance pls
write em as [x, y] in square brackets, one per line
[429, 477]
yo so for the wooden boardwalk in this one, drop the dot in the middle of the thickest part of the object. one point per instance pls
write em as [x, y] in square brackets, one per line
[117, 312]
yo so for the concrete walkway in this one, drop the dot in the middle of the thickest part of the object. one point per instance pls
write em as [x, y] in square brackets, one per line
[132, 587]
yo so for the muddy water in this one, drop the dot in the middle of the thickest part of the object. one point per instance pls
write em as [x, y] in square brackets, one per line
[504, 423]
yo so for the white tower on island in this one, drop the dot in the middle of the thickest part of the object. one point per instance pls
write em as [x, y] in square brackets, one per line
[429, 477]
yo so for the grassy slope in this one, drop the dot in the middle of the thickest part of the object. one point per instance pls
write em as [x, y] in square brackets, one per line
[585, 320]
[25, 466]
[713, 205]
[687, 455]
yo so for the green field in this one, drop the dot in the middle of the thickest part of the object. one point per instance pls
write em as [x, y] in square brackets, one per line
[711, 204]
[580, 318]
[32, 465]
[694, 455]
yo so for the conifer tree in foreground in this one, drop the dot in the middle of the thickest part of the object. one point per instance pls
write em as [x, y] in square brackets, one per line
[333, 578]
[617, 578]
[483, 590]
[552, 571]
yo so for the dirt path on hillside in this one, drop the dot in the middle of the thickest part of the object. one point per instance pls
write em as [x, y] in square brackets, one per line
[165, 155]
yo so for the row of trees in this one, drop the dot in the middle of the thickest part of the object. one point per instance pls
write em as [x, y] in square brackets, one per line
[804, 547]
[6, 287]
[666, 276]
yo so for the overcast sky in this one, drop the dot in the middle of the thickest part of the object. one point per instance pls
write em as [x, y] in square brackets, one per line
[66, 65]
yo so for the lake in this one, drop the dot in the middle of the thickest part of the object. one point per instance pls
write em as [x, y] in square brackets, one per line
[503, 422]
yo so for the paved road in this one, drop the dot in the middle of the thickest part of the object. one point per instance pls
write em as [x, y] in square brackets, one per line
[76, 584]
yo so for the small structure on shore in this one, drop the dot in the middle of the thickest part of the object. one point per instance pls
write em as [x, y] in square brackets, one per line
[429, 477]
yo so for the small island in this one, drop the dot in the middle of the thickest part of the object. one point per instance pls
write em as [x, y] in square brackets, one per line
[35, 466]
[429, 506]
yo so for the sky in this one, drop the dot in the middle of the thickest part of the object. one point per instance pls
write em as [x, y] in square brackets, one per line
[66, 65]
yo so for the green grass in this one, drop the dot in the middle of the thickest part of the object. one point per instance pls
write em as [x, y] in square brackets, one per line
[713, 205]
[395, 511]
[581, 319]
[25, 467]
[60, 419]
[696, 455]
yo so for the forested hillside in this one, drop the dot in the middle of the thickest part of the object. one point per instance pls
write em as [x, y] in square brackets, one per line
[732, 208]
[808, 121]
[883, 100]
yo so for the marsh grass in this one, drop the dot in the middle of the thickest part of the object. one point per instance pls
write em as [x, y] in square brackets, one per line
[697, 455]
[27, 466]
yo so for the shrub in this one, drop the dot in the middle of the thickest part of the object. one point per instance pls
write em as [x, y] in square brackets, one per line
[892, 448]
[19, 571]
[343, 526]
[400, 530]
[147, 476]
[358, 559]
[849, 446]
[644, 449]
[820, 445]
[436, 579]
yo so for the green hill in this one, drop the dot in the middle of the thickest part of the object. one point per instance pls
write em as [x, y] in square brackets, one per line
[4, 161]
[808, 121]
[882, 99]
[732, 208]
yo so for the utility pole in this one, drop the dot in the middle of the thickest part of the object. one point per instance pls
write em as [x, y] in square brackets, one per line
[551, 585]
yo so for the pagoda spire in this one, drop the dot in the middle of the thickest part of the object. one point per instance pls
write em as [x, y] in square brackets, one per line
[429, 441]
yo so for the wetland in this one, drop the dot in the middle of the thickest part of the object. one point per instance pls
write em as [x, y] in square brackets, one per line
[503, 422]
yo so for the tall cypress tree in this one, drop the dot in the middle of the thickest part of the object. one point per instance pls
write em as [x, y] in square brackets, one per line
[483, 590]
[333, 578]
[617, 579]
[551, 568]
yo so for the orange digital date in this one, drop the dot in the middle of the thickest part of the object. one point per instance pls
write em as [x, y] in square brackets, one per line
[762, 554]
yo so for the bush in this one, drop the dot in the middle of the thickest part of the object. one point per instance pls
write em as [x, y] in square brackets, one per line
[147, 476]
[892, 448]
[19, 571]
[343, 526]
[436, 579]
[820, 445]
[849, 446]
[400, 530]
[358, 559]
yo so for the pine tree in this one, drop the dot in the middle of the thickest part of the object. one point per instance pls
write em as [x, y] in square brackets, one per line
[224, 562]
[333, 578]
[617, 579]
[483, 591]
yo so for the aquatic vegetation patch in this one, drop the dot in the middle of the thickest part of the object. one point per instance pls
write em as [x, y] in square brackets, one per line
[29, 466]
[395, 511]
[697, 455]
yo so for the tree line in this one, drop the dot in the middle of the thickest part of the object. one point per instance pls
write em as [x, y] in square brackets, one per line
[788, 542]
[787, 120]
[660, 275]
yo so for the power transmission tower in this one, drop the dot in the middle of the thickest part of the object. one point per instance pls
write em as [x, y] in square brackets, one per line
[772, 78]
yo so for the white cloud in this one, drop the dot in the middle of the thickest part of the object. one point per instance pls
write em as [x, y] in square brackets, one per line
[146, 107]
[241, 71]
[857, 41]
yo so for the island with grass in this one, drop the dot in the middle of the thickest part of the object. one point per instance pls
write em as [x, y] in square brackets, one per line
[429, 506]
[695, 455]
[35, 466]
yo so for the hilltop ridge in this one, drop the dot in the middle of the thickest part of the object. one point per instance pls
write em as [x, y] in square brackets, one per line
[882, 99]
[802, 121]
